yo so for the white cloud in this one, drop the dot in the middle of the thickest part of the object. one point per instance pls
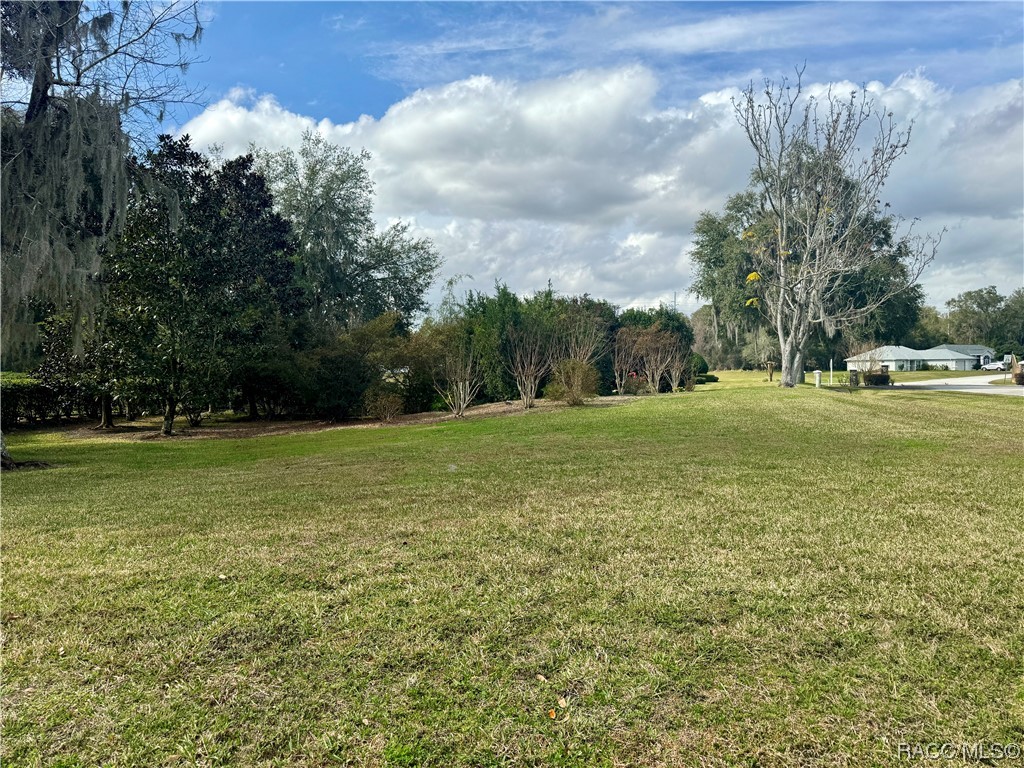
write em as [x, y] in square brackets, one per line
[583, 180]
[746, 32]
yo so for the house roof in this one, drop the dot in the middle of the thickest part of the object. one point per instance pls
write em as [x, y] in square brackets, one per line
[968, 349]
[888, 352]
[945, 353]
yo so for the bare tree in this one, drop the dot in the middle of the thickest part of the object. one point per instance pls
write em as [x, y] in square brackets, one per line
[456, 371]
[528, 356]
[582, 335]
[820, 180]
[679, 366]
[625, 354]
[656, 348]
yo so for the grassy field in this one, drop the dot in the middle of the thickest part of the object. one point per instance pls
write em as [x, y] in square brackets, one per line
[736, 576]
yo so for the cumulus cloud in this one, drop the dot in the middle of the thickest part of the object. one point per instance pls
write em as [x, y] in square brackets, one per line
[582, 179]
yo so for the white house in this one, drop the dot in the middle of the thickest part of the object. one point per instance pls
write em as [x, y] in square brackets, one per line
[948, 358]
[982, 355]
[944, 357]
[896, 358]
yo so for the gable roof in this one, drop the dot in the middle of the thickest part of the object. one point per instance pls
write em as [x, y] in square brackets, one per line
[888, 352]
[968, 349]
[945, 353]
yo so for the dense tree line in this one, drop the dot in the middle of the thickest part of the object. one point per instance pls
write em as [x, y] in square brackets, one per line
[224, 290]
[250, 344]
[214, 292]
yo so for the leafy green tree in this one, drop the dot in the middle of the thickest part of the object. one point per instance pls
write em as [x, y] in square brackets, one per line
[492, 320]
[259, 303]
[350, 272]
[204, 277]
[974, 316]
[723, 260]
[94, 364]
[929, 330]
[1011, 324]
[163, 274]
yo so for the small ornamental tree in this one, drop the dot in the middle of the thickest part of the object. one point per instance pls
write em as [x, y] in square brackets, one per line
[625, 355]
[456, 368]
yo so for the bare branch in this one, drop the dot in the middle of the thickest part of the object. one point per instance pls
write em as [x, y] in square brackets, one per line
[821, 164]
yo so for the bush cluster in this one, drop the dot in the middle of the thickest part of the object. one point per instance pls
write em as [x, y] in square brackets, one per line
[573, 382]
[25, 397]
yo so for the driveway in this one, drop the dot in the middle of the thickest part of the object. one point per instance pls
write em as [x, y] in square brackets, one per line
[976, 385]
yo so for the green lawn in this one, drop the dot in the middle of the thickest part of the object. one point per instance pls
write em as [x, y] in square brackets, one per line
[741, 575]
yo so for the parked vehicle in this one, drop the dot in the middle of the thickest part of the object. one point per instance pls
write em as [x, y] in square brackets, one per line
[996, 365]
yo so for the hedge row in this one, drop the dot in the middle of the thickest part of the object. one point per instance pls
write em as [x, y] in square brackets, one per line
[25, 397]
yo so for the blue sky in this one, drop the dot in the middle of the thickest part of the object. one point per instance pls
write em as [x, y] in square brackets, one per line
[579, 141]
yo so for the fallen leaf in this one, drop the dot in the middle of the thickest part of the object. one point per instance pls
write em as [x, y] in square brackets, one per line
[562, 702]
[551, 714]
[542, 678]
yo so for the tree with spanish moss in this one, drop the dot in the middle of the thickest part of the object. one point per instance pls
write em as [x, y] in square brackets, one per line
[83, 82]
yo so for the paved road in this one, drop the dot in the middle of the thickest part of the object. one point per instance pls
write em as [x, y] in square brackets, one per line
[976, 385]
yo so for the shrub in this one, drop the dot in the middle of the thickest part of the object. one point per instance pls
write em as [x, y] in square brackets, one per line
[1018, 378]
[24, 397]
[709, 378]
[383, 401]
[876, 379]
[698, 364]
[573, 382]
[635, 385]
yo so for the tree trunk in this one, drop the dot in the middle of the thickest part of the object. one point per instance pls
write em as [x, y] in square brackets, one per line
[254, 412]
[527, 390]
[106, 411]
[170, 411]
[788, 369]
[798, 366]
